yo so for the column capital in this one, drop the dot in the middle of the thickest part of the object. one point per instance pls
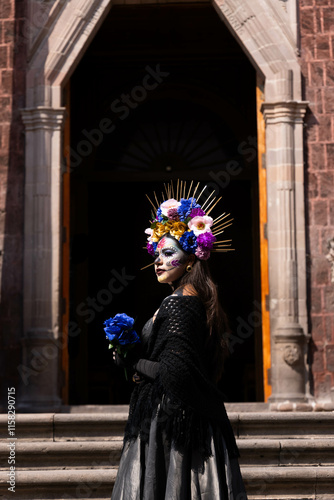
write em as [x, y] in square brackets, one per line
[43, 117]
[284, 111]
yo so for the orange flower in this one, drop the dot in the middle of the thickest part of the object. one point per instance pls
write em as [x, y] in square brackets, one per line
[178, 229]
[159, 230]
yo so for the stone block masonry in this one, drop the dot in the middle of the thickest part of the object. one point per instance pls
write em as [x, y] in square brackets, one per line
[317, 47]
[12, 99]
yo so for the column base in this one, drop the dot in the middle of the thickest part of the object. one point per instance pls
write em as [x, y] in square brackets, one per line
[39, 372]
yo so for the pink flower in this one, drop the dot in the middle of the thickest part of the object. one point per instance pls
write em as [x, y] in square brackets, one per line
[149, 231]
[202, 253]
[166, 205]
[200, 224]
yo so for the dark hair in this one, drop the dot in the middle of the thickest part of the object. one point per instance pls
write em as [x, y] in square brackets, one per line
[216, 343]
[200, 280]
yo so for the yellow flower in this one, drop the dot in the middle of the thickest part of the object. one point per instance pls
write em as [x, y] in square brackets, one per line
[177, 230]
[159, 230]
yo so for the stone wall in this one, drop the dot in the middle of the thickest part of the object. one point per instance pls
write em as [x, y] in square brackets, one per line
[317, 47]
[12, 92]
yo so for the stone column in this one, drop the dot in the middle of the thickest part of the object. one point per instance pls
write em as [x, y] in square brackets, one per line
[286, 240]
[42, 243]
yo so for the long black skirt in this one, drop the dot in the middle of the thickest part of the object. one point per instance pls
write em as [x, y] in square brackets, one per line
[157, 471]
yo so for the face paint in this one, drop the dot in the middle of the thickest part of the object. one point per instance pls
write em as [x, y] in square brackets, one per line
[171, 260]
[161, 243]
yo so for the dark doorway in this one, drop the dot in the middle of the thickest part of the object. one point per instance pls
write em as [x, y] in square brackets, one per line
[162, 93]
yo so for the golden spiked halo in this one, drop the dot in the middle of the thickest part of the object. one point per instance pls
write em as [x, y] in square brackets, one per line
[178, 228]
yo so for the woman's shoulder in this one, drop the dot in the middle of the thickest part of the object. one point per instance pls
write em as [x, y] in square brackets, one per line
[185, 291]
[175, 299]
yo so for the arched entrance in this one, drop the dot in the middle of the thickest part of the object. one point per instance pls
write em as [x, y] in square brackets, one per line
[268, 44]
[194, 118]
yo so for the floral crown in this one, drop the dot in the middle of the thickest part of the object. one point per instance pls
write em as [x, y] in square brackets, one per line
[187, 221]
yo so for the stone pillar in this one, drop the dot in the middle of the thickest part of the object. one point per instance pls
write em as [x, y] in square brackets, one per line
[42, 244]
[286, 240]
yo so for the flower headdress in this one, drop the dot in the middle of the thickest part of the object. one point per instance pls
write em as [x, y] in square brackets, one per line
[187, 221]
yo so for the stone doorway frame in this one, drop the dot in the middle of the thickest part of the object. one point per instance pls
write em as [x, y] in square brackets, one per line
[263, 30]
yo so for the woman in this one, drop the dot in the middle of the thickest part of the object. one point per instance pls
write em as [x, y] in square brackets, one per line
[179, 443]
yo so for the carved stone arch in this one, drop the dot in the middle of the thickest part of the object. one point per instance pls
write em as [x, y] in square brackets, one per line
[262, 29]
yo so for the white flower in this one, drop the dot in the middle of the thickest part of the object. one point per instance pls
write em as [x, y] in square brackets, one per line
[149, 231]
[167, 205]
[200, 224]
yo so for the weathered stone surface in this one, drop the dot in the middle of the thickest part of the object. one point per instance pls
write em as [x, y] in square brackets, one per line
[283, 455]
[89, 426]
[30, 427]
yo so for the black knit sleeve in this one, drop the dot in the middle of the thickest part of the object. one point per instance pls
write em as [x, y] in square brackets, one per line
[147, 368]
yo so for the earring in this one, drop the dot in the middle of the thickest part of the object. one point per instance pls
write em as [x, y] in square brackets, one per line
[189, 268]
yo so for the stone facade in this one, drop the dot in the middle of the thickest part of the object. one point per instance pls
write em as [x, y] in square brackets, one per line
[12, 99]
[317, 37]
[301, 294]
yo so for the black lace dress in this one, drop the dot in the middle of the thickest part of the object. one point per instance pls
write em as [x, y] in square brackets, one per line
[178, 443]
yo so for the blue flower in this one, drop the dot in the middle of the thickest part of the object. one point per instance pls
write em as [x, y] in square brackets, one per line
[187, 205]
[159, 216]
[188, 241]
[119, 330]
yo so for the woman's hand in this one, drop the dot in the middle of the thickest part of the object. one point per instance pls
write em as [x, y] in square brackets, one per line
[127, 361]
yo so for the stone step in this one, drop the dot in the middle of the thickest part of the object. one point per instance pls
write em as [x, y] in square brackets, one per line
[286, 452]
[271, 483]
[108, 426]
[105, 454]
[289, 483]
[63, 454]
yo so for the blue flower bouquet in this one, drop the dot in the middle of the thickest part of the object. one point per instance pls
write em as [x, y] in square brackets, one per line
[121, 335]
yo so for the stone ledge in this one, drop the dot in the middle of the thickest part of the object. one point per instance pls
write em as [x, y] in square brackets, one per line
[106, 454]
[277, 483]
[110, 426]
[61, 484]
[289, 483]
[63, 454]
[287, 406]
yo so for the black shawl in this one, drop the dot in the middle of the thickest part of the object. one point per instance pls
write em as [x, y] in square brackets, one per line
[177, 342]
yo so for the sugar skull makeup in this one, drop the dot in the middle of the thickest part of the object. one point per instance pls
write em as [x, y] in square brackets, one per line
[170, 260]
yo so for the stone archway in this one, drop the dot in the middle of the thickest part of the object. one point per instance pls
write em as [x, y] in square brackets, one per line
[263, 32]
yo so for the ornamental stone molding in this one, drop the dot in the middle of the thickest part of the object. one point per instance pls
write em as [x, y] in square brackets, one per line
[42, 243]
[291, 354]
[286, 242]
[267, 34]
[263, 30]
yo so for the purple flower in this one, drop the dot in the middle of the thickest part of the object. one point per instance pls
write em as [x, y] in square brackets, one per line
[206, 240]
[172, 214]
[150, 248]
[202, 253]
[196, 212]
